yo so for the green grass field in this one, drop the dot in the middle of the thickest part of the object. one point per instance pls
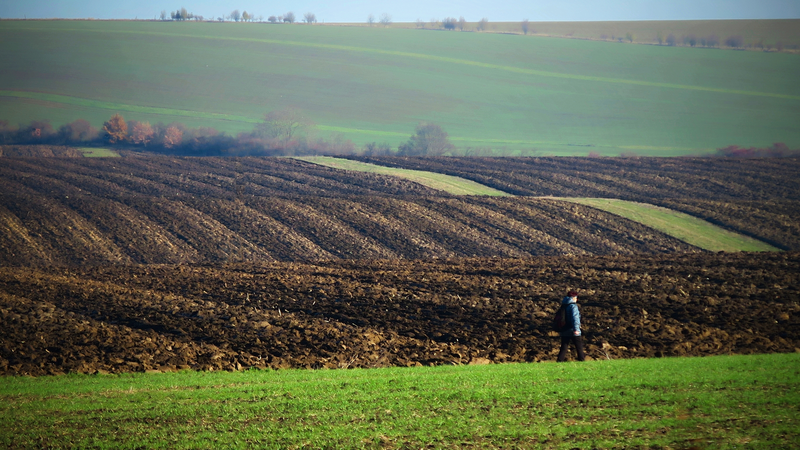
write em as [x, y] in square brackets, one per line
[450, 184]
[512, 94]
[682, 226]
[93, 152]
[720, 402]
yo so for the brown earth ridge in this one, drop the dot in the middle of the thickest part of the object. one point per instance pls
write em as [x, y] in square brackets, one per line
[392, 313]
[168, 210]
[164, 263]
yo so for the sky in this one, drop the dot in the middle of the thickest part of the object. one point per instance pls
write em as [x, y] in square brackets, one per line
[411, 10]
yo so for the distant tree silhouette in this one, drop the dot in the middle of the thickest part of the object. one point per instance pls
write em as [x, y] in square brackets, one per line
[429, 139]
[288, 17]
[524, 26]
[309, 18]
[77, 131]
[734, 41]
[283, 125]
[386, 19]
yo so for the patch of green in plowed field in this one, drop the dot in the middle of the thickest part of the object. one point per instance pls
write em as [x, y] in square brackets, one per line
[493, 93]
[723, 401]
[687, 228]
[92, 152]
[450, 184]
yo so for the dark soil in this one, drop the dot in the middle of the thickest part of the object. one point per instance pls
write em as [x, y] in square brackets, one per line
[381, 313]
[165, 210]
[756, 197]
[161, 263]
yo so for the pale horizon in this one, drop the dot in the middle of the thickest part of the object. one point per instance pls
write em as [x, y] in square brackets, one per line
[413, 10]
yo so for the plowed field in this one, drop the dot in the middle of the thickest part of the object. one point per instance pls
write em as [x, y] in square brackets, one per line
[380, 313]
[162, 210]
[756, 197]
[160, 263]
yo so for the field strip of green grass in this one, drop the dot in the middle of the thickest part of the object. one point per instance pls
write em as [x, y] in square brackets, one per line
[450, 184]
[93, 152]
[748, 401]
[682, 226]
[465, 62]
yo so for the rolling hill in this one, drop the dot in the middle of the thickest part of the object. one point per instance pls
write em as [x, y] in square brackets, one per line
[493, 93]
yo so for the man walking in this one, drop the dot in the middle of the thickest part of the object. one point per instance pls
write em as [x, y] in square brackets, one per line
[572, 333]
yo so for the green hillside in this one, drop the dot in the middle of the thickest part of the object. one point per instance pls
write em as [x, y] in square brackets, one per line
[514, 94]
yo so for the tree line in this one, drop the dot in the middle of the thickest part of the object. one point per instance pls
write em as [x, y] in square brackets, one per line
[280, 133]
[183, 14]
[285, 132]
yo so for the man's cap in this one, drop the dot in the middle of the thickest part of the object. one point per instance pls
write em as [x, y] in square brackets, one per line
[572, 293]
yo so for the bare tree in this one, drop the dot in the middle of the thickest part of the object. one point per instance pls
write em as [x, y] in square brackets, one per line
[173, 137]
[272, 19]
[309, 17]
[434, 22]
[163, 14]
[420, 23]
[449, 23]
[77, 131]
[524, 26]
[429, 139]
[283, 125]
[482, 24]
[461, 23]
[235, 16]
[371, 19]
[386, 19]
[671, 40]
[245, 16]
[288, 17]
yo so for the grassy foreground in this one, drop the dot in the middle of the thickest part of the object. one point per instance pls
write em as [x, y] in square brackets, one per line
[448, 183]
[723, 401]
[690, 229]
